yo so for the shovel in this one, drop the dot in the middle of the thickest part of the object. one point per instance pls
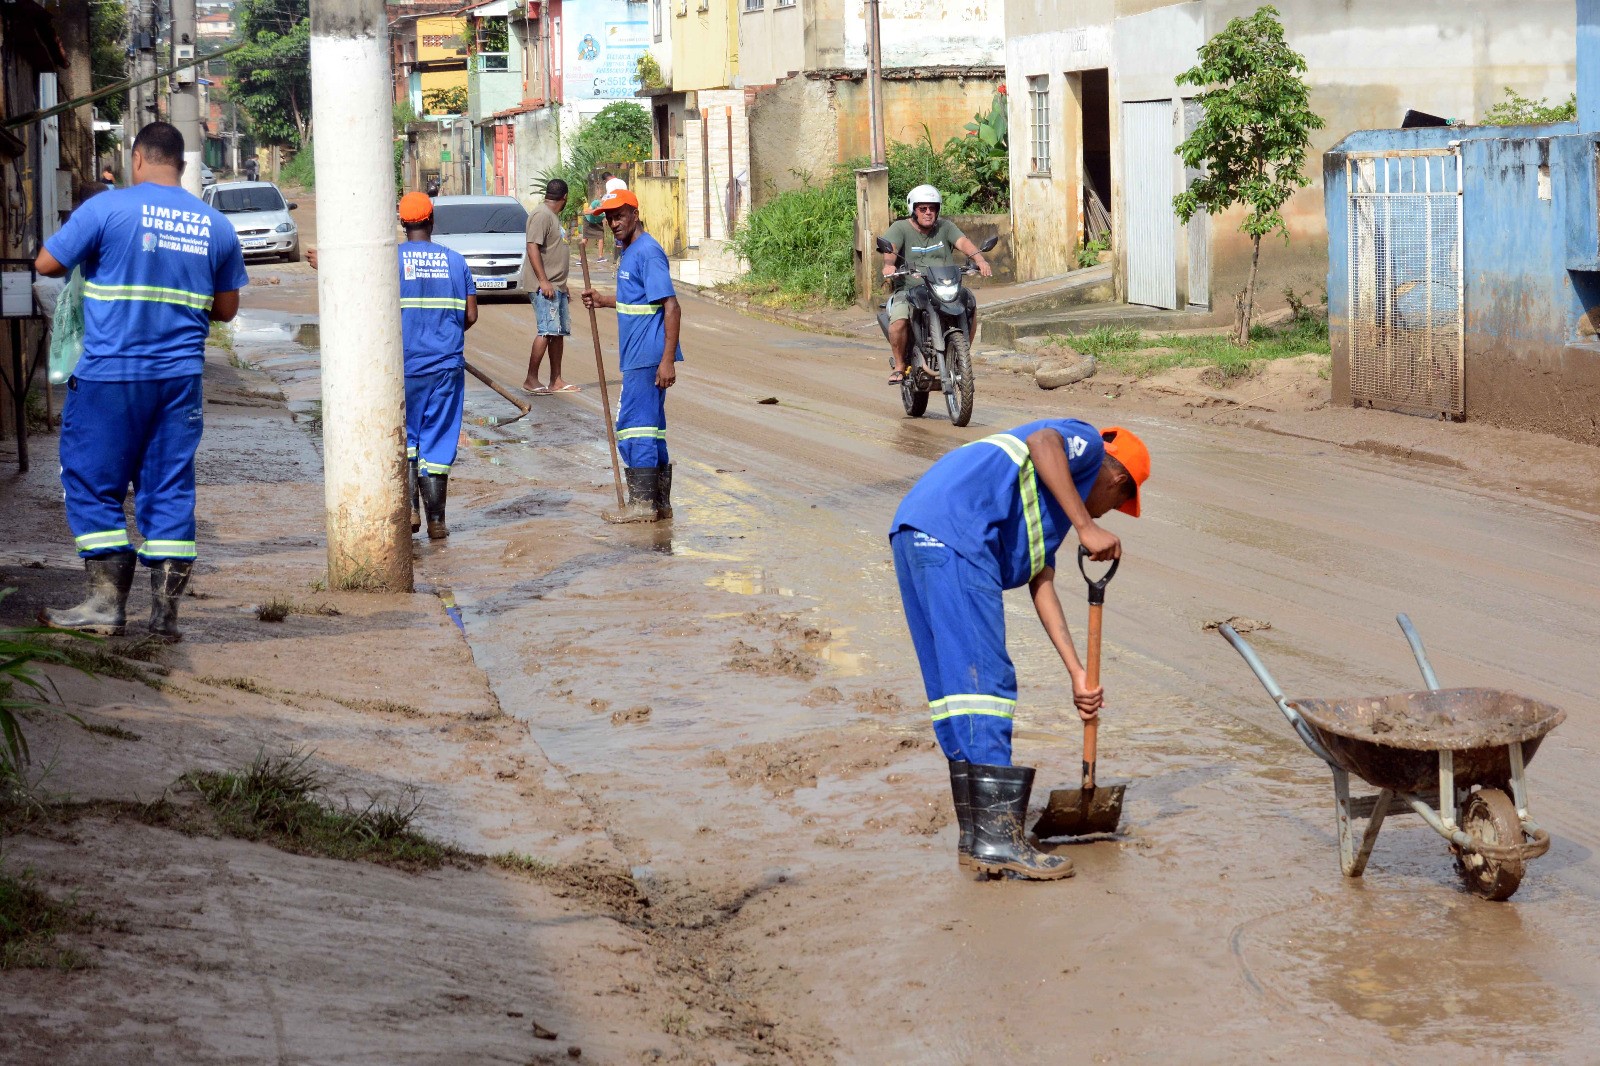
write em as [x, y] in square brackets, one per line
[1094, 808]
[495, 420]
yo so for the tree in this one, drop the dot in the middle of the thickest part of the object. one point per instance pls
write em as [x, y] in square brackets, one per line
[450, 100]
[272, 72]
[1519, 110]
[108, 63]
[1253, 135]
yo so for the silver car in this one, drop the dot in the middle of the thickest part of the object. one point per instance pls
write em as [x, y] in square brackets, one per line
[260, 214]
[490, 232]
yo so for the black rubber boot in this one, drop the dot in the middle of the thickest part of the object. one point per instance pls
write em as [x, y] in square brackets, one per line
[961, 793]
[664, 491]
[999, 811]
[411, 482]
[433, 488]
[104, 611]
[168, 579]
[642, 488]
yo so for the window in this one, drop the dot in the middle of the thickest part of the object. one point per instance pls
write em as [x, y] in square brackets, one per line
[494, 216]
[754, 5]
[784, 3]
[246, 198]
[1039, 123]
[655, 20]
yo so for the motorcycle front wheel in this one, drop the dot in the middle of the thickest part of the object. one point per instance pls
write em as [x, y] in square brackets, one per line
[958, 396]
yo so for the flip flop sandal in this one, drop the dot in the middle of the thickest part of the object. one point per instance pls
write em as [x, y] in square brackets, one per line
[542, 390]
[897, 377]
[565, 388]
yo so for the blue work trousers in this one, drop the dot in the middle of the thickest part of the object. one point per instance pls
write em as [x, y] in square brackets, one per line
[642, 419]
[434, 403]
[956, 613]
[114, 433]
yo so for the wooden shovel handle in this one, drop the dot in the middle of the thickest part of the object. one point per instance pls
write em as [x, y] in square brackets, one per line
[481, 376]
[600, 371]
[1091, 728]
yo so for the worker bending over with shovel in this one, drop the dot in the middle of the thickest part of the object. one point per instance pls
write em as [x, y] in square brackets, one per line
[648, 320]
[988, 517]
[438, 304]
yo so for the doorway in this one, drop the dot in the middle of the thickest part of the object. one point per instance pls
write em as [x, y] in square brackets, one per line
[1094, 96]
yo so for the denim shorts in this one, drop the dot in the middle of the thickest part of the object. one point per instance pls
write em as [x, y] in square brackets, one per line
[553, 317]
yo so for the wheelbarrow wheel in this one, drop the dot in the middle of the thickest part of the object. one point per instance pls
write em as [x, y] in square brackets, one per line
[1491, 817]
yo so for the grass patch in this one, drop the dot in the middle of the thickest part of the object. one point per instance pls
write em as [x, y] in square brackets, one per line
[1126, 351]
[278, 608]
[299, 172]
[106, 729]
[221, 336]
[92, 655]
[243, 684]
[29, 923]
[395, 707]
[278, 800]
[517, 862]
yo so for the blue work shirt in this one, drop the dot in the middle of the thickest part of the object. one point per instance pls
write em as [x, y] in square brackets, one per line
[435, 282]
[985, 502]
[153, 258]
[643, 278]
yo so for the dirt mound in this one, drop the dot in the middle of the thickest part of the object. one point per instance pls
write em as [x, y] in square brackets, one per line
[785, 765]
[781, 661]
[1299, 384]
[879, 701]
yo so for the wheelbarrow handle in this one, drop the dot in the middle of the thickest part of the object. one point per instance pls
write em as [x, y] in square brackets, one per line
[1418, 652]
[1097, 588]
[1268, 682]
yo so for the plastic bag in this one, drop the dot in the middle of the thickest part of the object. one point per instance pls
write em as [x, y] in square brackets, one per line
[66, 330]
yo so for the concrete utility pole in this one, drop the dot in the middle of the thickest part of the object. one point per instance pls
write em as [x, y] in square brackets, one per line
[141, 45]
[358, 285]
[186, 94]
[880, 150]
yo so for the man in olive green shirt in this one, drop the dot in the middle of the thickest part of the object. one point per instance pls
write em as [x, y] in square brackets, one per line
[544, 276]
[924, 239]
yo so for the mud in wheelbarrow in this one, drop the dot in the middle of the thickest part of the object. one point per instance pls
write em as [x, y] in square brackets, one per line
[1455, 757]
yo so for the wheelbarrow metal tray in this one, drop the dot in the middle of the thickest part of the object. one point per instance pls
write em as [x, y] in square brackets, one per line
[1393, 741]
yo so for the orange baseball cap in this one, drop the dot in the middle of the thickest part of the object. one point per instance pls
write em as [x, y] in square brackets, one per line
[1130, 451]
[415, 207]
[618, 198]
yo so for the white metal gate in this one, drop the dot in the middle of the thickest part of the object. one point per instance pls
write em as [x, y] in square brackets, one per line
[1405, 279]
[1150, 227]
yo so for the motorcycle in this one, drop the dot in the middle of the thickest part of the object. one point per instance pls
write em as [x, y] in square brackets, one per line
[940, 352]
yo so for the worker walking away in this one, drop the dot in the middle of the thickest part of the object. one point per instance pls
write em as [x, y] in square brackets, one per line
[438, 304]
[988, 517]
[159, 266]
[648, 321]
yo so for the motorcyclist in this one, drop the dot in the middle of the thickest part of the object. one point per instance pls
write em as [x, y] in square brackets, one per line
[920, 240]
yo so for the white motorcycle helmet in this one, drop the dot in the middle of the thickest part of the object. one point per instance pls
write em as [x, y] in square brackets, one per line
[922, 194]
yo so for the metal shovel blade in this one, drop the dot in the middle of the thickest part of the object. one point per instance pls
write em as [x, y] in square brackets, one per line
[1078, 812]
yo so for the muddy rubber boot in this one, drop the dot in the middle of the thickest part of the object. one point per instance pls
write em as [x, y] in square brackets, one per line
[411, 482]
[433, 489]
[168, 579]
[642, 482]
[961, 793]
[104, 610]
[664, 492]
[999, 809]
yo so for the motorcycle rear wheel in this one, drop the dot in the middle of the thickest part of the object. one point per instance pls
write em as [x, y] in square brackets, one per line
[958, 398]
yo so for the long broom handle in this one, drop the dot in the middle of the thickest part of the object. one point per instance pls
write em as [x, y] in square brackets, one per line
[600, 370]
[497, 387]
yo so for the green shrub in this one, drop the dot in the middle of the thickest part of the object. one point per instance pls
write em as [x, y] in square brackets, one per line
[299, 171]
[801, 243]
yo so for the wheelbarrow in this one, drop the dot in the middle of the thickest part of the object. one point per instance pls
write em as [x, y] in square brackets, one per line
[1449, 756]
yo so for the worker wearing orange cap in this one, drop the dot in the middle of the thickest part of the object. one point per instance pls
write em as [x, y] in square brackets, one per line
[438, 304]
[985, 518]
[648, 321]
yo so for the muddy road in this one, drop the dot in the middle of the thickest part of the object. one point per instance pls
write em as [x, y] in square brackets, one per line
[735, 700]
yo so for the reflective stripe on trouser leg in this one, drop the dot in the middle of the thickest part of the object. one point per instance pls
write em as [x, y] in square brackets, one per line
[642, 419]
[956, 614]
[144, 432]
[434, 404]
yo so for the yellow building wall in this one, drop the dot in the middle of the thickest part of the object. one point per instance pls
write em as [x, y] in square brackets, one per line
[705, 46]
[440, 38]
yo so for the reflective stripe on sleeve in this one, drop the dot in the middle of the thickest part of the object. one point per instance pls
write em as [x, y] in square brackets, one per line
[200, 301]
[972, 703]
[640, 309]
[1028, 486]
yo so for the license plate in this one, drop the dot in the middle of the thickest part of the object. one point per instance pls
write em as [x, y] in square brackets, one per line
[490, 283]
[251, 246]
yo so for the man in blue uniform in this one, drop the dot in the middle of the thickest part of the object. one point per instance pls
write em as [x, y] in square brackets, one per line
[988, 517]
[438, 304]
[648, 320]
[159, 266]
